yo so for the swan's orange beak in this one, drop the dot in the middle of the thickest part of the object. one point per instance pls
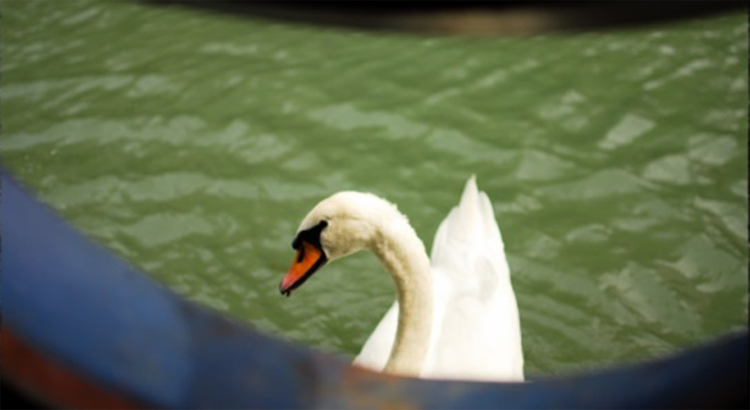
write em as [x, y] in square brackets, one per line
[309, 259]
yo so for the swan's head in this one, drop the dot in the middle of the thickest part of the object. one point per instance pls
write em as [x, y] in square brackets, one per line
[339, 225]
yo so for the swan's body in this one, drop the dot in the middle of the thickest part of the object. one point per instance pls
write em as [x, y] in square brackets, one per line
[455, 316]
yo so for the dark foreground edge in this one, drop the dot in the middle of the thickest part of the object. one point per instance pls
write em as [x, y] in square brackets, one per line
[467, 18]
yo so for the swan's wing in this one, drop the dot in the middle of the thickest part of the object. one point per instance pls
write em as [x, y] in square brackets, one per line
[477, 333]
[471, 222]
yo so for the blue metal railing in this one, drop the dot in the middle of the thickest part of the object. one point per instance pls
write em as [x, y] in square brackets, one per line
[106, 322]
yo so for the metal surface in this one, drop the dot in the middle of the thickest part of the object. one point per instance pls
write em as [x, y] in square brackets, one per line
[469, 18]
[81, 317]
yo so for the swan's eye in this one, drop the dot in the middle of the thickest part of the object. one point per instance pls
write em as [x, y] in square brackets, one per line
[310, 235]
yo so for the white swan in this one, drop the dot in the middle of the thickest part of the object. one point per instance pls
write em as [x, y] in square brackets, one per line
[458, 316]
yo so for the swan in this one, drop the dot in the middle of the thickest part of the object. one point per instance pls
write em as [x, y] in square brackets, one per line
[455, 316]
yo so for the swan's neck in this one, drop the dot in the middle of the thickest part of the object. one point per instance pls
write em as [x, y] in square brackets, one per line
[403, 255]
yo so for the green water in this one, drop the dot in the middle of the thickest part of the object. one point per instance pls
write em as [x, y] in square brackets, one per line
[192, 144]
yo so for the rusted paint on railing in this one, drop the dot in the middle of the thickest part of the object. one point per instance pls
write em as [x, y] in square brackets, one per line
[52, 383]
